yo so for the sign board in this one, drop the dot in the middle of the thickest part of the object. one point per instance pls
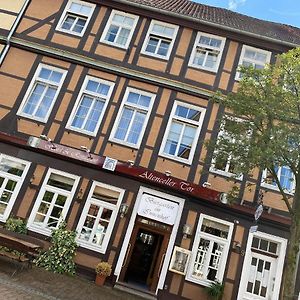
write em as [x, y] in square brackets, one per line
[109, 164]
[258, 212]
[158, 209]
[253, 229]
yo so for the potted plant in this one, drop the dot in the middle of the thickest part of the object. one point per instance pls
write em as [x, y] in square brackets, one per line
[215, 290]
[103, 270]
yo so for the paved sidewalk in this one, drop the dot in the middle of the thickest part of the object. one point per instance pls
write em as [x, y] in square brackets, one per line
[38, 284]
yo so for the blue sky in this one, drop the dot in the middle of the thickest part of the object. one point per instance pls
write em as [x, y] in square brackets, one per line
[281, 11]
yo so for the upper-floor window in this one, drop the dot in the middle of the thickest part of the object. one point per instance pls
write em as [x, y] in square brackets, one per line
[207, 52]
[42, 93]
[132, 117]
[160, 39]
[285, 176]
[76, 17]
[98, 216]
[90, 105]
[210, 250]
[182, 132]
[119, 29]
[12, 174]
[250, 56]
[53, 201]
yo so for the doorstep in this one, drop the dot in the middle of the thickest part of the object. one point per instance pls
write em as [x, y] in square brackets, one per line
[124, 287]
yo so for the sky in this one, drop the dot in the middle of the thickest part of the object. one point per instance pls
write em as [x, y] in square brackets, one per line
[280, 11]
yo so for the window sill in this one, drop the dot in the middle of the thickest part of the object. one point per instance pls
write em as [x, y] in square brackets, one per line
[275, 188]
[226, 174]
[88, 246]
[177, 159]
[75, 34]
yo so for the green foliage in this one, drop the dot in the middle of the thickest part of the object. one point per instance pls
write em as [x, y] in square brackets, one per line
[103, 268]
[60, 256]
[16, 225]
[215, 290]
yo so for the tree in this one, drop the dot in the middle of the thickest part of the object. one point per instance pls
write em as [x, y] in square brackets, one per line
[266, 135]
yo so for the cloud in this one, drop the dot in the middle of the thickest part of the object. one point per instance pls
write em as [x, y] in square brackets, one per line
[233, 4]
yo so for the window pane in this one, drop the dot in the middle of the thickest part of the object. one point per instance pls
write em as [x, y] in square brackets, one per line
[152, 45]
[124, 124]
[215, 228]
[163, 48]
[112, 33]
[67, 24]
[104, 194]
[123, 36]
[11, 167]
[61, 182]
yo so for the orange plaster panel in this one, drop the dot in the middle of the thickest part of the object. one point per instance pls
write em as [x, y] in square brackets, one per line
[103, 75]
[117, 96]
[57, 62]
[30, 127]
[89, 43]
[228, 291]
[42, 9]
[132, 53]
[200, 76]
[184, 42]
[72, 216]
[235, 87]
[224, 81]
[18, 62]
[143, 86]
[163, 102]
[38, 174]
[3, 112]
[26, 203]
[155, 129]
[176, 66]
[204, 149]
[175, 283]
[75, 78]
[41, 32]
[249, 192]
[274, 200]
[63, 107]
[12, 89]
[177, 169]
[233, 263]
[191, 99]
[221, 184]
[239, 233]
[110, 52]
[194, 292]
[86, 260]
[119, 152]
[111, 257]
[99, 144]
[119, 232]
[53, 131]
[138, 36]
[198, 174]
[146, 158]
[230, 56]
[108, 119]
[74, 140]
[151, 63]
[65, 40]
[213, 116]
[25, 24]
[99, 19]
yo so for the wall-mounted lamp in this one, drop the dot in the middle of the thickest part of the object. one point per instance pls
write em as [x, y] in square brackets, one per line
[32, 179]
[187, 231]
[45, 138]
[123, 209]
[130, 162]
[79, 195]
[168, 173]
[87, 150]
[237, 246]
[206, 184]
[224, 198]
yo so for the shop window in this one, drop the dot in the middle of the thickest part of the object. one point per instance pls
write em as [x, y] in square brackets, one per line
[42, 93]
[132, 117]
[76, 17]
[98, 217]
[250, 56]
[182, 132]
[90, 106]
[207, 52]
[263, 265]
[160, 39]
[12, 174]
[210, 251]
[119, 29]
[53, 201]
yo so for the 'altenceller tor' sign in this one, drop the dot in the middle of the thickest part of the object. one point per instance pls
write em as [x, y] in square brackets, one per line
[158, 209]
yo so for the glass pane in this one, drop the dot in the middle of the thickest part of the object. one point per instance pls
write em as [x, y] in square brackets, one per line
[43, 209]
[112, 33]
[215, 228]
[106, 195]
[106, 214]
[39, 218]
[48, 196]
[1, 181]
[52, 222]
[10, 185]
[92, 86]
[5, 197]
[93, 210]
[201, 258]
[61, 200]
[124, 124]
[89, 222]
[163, 48]
[68, 22]
[2, 208]
[11, 167]
[56, 76]
[61, 182]
[123, 36]
[152, 44]
[79, 25]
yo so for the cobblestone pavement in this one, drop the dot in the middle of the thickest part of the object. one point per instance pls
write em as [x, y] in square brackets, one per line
[38, 284]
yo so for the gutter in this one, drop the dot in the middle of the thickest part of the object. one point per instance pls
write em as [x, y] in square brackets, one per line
[209, 23]
[12, 30]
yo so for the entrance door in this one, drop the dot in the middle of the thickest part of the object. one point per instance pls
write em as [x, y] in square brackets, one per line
[145, 254]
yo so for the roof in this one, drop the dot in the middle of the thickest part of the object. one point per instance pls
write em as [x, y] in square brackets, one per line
[224, 17]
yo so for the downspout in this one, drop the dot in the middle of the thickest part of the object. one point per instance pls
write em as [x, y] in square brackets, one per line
[12, 30]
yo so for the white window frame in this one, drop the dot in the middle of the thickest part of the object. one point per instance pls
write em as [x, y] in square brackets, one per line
[36, 79]
[136, 108]
[18, 179]
[209, 48]
[247, 262]
[69, 194]
[200, 234]
[246, 47]
[111, 22]
[83, 92]
[184, 121]
[66, 12]
[275, 187]
[149, 33]
[103, 204]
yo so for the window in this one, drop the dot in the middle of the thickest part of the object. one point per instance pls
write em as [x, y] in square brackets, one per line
[42, 93]
[263, 265]
[285, 176]
[132, 117]
[160, 39]
[182, 132]
[207, 52]
[90, 106]
[53, 201]
[250, 56]
[98, 216]
[76, 17]
[119, 29]
[210, 250]
[12, 174]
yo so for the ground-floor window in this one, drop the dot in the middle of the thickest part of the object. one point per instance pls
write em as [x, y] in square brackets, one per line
[262, 270]
[98, 216]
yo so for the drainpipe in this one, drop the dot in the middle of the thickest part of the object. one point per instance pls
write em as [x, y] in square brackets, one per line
[12, 30]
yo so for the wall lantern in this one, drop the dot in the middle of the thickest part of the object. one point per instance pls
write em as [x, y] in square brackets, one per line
[123, 209]
[237, 246]
[187, 231]
[79, 195]
[87, 150]
[168, 173]
[45, 138]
